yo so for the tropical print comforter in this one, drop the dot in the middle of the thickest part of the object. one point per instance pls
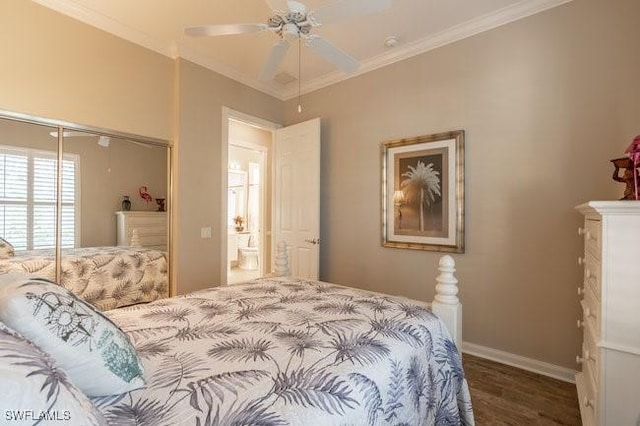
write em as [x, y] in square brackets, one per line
[282, 351]
[106, 277]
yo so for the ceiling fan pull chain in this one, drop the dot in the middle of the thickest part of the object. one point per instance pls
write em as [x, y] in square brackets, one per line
[299, 75]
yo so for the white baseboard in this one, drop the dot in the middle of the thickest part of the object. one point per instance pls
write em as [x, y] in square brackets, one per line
[529, 364]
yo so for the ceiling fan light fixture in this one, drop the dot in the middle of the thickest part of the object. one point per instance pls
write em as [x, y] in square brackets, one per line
[290, 30]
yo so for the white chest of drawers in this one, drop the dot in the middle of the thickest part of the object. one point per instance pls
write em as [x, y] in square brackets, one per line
[150, 229]
[609, 381]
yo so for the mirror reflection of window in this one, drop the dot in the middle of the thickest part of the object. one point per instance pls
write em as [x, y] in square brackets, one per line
[28, 197]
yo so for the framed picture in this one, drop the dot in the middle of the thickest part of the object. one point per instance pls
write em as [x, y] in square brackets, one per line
[423, 192]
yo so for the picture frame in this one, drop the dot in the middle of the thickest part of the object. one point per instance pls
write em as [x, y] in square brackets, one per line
[423, 192]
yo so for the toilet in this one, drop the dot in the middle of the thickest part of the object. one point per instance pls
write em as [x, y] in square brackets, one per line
[248, 255]
[248, 258]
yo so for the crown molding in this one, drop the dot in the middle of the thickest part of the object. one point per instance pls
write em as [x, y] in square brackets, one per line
[110, 25]
[459, 32]
[172, 50]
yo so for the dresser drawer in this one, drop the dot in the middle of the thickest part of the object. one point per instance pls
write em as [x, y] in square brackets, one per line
[587, 400]
[591, 312]
[147, 231]
[591, 358]
[592, 273]
[150, 227]
[587, 411]
[592, 237]
[146, 221]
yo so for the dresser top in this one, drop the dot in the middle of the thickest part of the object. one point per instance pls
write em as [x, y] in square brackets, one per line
[610, 207]
[140, 213]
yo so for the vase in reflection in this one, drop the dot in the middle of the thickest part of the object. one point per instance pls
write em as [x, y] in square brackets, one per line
[126, 204]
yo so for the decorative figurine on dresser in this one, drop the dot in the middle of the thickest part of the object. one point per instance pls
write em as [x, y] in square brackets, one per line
[608, 382]
[631, 175]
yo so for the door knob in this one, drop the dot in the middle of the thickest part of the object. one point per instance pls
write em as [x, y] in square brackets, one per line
[314, 241]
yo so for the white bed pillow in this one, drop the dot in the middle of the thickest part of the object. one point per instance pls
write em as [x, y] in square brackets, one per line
[32, 387]
[91, 349]
[6, 249]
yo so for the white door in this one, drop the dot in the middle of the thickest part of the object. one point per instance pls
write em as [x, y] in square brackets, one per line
[297, 196]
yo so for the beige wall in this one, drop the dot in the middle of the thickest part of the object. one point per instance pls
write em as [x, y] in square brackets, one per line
[55, 67]
[199, 168]
[545, 103]
[106, 174]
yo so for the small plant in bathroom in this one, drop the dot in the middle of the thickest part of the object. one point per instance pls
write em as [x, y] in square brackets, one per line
[239, 220]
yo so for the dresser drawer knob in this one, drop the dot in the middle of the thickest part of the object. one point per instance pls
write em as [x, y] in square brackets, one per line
[582, 261]
[580, 323]
[587, 234]
[579, 360]
[580, 291]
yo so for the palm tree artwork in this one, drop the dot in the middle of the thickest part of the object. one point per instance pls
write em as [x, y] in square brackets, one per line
[421, 182]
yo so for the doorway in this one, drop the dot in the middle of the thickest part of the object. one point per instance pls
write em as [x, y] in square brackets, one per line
[247, 147]
[290, 200]
[245, 210]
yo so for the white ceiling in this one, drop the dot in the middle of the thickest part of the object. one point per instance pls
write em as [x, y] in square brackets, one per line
[419, 25]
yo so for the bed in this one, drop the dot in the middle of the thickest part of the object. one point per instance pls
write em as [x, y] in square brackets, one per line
[106, 277]
[289, 351]
[273, 351]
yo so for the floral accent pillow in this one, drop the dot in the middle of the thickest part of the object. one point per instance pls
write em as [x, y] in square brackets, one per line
[6, 249]
[92, 350]
[33, 388]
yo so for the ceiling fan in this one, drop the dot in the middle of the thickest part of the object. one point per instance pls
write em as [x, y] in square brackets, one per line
[293, 20]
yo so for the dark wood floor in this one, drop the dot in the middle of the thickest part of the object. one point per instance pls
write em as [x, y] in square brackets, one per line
[504, 395]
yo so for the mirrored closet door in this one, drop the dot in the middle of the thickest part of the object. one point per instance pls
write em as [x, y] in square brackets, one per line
[106, 237]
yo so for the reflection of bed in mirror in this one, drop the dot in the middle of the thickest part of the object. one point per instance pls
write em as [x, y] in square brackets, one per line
[98, 171]
[106, 277]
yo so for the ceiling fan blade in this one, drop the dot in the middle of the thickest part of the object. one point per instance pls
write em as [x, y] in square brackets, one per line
[280, 5]
[332, 54]
[224, 29]
[346, 9]
[277, 54]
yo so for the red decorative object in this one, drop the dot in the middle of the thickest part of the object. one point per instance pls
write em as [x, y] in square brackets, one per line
[144, 194]
[633, 151]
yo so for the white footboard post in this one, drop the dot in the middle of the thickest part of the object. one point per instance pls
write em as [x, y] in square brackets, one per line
[281, 260]
[446, 304]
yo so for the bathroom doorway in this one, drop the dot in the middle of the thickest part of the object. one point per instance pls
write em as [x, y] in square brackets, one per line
[248, 201]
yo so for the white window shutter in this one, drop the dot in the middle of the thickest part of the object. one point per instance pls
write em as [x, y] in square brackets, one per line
[28, 198]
